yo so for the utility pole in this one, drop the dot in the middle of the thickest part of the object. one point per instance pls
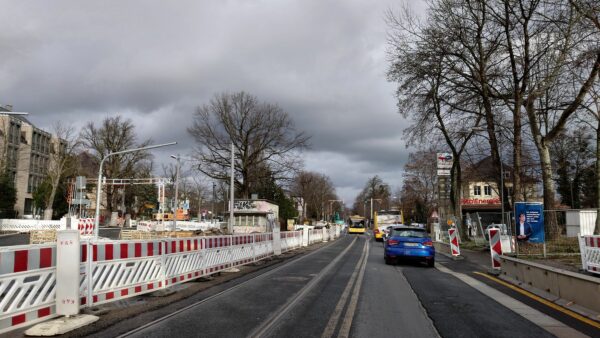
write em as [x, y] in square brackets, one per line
[212, 217]
[231, 215]
[176, 191]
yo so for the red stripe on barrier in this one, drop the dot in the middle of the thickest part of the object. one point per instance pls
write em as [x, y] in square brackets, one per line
[20, 261]
[160, 284]
[150, 286]
[124, 250]
[181, 249]
[150, 247]
[110, 295]
[83, 300]
[84, 253]
[95, 299]
[124, 292]
[181, 278]
[45, 258]
[189, 275]
[94, 252]
[159, 248]
[173, 247]
[108, 252]
[197, 274]
[138, 249]
[138, 289]
[18, 319]
[189, 245]
[43, 312]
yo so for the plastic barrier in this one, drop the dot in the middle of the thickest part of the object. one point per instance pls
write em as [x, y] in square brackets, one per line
[495, 248]
[86, 226]
[589, 247]
[454, 246]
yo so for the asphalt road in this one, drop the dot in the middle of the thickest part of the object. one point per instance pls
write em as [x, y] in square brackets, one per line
[341, 290]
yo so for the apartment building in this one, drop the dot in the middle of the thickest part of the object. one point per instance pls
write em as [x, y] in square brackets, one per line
[26, 150]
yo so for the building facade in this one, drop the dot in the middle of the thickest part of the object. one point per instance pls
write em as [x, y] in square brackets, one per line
[26, 152]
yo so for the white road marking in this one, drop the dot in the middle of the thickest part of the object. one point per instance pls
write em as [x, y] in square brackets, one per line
[544, 321]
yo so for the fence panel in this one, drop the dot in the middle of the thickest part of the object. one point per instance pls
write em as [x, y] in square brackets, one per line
[122, 269]
[27, 285]
[26, 225]
[263, 246]
[590, 253]
[242, 251]
[217, 254]
[183, 259]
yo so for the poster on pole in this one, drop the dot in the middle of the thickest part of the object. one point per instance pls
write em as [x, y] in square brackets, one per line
[529, 221]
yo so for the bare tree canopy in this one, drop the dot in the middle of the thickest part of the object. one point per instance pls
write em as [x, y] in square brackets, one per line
[115, 134]
[315, 191]
[263, 135]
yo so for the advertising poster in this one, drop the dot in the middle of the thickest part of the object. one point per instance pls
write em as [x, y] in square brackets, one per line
[529, 219]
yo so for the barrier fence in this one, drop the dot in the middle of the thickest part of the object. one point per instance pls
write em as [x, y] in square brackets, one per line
[114, 270]
[590, 253]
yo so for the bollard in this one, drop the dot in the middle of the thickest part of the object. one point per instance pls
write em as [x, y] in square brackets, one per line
[495, 248]
[454, 247]
[276, 241]
[304, 236]
[67, 272]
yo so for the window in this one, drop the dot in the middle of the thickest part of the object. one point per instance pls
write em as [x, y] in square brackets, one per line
[487, 190]
[477, 190]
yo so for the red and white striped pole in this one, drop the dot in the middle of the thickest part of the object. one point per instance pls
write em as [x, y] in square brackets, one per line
[495, 248]
[454, 247]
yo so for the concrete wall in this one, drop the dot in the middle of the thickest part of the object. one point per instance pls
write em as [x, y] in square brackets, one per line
[579, 288]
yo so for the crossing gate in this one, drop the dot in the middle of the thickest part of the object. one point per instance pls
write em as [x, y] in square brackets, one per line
[27, 280]
[589, 247]
[454, 246]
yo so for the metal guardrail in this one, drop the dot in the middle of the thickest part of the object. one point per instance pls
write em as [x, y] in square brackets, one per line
[118, 269]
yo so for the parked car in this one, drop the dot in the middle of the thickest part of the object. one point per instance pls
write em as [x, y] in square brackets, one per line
[409, 243]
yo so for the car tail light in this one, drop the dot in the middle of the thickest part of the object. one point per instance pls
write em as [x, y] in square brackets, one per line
[428, 243]
[392, 242]
[376, 231]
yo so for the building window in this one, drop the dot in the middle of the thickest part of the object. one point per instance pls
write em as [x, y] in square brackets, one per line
[487, 190]
[477, 190]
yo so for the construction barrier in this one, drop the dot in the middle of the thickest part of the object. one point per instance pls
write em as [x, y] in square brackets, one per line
[86, 226]
[454, 246]
[589, 247]
[495, 248]
[118, 269]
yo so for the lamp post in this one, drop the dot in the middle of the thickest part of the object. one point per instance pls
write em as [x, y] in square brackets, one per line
[176, 207]
[231, 203]
[99, 185]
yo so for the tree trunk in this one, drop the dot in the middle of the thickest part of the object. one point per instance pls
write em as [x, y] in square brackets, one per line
[597, 231]
[551, 222]
[455, 188]
[50, 201]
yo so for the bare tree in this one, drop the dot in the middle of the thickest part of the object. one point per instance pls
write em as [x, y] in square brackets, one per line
[315, 190]
[263, 135]
[115, 134]
[64, 145]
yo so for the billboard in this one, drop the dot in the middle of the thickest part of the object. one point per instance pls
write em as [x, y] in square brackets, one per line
[529, 221]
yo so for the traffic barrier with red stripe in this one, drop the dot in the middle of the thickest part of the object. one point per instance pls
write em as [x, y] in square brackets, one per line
[495, 248]
[113, 270]
[589, 247]
[86, 226]
[24, 269]
[454, 246]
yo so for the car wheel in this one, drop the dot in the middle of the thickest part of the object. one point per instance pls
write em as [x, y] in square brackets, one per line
[431, 263]
[388, 261]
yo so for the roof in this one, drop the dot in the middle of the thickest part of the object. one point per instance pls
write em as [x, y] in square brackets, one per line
[485, 170]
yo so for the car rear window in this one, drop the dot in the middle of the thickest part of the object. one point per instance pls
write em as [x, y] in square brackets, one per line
[357, 225]
[409, 233]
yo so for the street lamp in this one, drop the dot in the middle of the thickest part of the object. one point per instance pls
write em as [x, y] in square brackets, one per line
[99, 185]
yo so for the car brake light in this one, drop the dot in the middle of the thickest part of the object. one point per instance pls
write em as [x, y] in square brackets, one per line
[428, 243]
[392, 242]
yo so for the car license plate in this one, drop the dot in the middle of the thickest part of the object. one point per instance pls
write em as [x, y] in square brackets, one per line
[411, 244]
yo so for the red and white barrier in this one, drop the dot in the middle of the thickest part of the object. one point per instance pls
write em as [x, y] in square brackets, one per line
[589, 246]
[86, 226]
[23, 269]
[454, 246]
[495, 248]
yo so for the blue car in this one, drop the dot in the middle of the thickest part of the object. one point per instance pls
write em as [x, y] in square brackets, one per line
[410, 243]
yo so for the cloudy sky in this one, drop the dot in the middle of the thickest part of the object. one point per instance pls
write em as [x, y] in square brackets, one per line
[324, 62]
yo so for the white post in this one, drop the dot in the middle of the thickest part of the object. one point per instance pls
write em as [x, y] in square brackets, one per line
[276, 241]
[231, 204]
[304, 236]
[176, 191]
[67, 272]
